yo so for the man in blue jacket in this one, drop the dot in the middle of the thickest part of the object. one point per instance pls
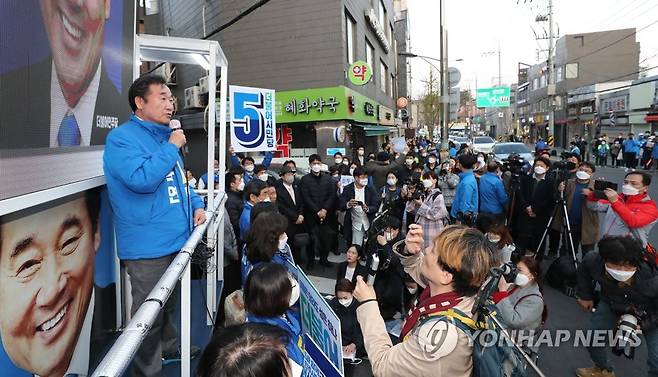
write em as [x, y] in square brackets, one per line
[466, 196]
[154, 209]
[493, 197]
[631, 149]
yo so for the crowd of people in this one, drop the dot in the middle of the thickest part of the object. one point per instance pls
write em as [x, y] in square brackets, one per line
[437, 222]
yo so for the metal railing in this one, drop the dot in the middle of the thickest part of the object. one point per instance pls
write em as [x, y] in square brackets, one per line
[126, 346]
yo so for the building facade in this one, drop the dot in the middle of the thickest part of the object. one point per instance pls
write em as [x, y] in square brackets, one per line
[303, 49]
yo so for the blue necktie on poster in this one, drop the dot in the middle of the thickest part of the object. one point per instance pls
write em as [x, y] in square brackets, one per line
[69, 132]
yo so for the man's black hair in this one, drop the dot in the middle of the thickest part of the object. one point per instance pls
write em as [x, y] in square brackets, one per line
[290, 162]
[624, 250]
[467, 161]
[254, 187]
[314, 157]
[259, 168]
[338, 154]
[231, 174]
[140, 88]
[358, 171]
[393, 222]
[646, 178]
[248, 158]
[589, 165]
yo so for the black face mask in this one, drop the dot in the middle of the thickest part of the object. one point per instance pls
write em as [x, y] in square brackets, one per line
[571, 165]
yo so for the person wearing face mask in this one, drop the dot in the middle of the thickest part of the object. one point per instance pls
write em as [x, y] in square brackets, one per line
[248, 163]
[411, 293]
[269, 293]
[344, 305]
[319, 195]
[235, 201]
[500, 236]
[190, 179]
[629, 285]
[448, 182]
[521, 304]
[260, 172]
[535, 205]
[602, 152]
[390, 196]
[453, 149]
[583, 220]
[203, 180]
[380, 168]
[339, 164]
[631, 149]
[254, 192]
[291, 205]
[360, 156]
[404, 173]
[360, 201]
[432, 164]
[267, 241]
[431, 212]
[480, 167]
[466, 197]
[631, 212]
[493, 197]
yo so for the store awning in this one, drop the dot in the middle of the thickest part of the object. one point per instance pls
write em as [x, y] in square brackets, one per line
[374, 129]
[651, 118]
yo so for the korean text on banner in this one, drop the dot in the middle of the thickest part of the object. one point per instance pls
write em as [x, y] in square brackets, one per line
[316, 363]
[318, 319]
[253, 121]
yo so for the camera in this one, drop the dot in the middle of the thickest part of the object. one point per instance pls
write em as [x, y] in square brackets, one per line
[509, 271]
[626, 338]
[466, 218]
[415, 184]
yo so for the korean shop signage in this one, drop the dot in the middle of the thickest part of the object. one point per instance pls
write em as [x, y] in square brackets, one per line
[359, 73]
[322, 104]
[617, 103]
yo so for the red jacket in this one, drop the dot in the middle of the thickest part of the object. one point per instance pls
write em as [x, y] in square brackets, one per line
[638, 212]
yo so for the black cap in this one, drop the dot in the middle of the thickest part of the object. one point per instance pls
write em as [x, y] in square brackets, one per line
[286, 169]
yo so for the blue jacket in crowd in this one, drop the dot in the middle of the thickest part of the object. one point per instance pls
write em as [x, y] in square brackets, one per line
[466, 196]
[631, 146]
[148, 190]
[245, 220]
[291, 323]
[492, 194]
[267, 161]
[282, 257]
[452, 152]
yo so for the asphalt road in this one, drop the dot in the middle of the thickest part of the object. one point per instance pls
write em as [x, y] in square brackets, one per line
[564, 314]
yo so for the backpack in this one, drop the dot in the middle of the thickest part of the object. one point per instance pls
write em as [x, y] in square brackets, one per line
[499, 360]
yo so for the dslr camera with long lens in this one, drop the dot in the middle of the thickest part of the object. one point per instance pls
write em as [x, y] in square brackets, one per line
[626, 338]
[415, 184]
[560, 170]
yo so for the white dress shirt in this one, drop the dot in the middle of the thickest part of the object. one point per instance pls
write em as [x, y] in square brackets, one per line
[291, 191]
[359, 217]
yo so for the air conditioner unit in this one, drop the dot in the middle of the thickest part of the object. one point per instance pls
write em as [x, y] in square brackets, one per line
[193, 98]
[203, 84]
[168, 71]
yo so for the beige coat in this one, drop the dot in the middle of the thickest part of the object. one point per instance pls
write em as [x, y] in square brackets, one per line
[590, 219]
[434, 349]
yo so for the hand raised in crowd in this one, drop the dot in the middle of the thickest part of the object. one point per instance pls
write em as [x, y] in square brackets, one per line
[351, 203]
[414, 239]
[363, 291]
[177, 138]
[350, 348]
[199, 216]
[300, 220]
[381, 240]
[611, 195]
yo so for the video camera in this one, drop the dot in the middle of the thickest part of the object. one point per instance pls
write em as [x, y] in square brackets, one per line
[561, 170]
[415, 184]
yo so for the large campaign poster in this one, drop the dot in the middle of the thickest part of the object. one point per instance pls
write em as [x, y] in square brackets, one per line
[65, 70]
[252, 118]
[57, 287]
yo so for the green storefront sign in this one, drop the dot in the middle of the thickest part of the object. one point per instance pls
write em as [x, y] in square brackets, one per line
[359, 73]
[493, 97]
[322, 104]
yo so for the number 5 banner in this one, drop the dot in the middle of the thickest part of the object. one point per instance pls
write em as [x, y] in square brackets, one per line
[253, 124]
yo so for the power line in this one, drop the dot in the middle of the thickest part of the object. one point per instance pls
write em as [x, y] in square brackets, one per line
[622, 86]
[613, 43]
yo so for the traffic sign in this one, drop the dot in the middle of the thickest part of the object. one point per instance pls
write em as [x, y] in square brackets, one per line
[493, 97]
[454, 76]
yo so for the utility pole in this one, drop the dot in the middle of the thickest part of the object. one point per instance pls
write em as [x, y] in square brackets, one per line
[445, 83]
[551, 73]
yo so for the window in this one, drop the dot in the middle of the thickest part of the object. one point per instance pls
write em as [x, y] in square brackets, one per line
[370, 54]
[350, 31]
[382, 14]
[383, 75]
[391, 82]
[571, 71]
[558, 74]
[542, 81]
[535, 83]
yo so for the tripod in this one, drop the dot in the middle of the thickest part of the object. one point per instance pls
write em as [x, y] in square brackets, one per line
[561, 205]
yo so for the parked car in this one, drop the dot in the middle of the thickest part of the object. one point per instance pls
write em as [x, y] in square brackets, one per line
[502, 150]
[459, 140]
[483, 144]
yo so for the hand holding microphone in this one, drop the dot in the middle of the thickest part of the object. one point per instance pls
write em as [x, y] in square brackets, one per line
[177, 137]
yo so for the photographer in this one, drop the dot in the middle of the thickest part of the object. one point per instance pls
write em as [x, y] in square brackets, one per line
[629, 285]
[431, 210]
[632, 212]
[448, 182]
[521, 307]
[391, 196]
[535, 207]
[360, 202]
[584, 221]
[452, 269]
[389, 280]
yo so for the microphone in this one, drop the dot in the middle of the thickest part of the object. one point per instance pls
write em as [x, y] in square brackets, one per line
[175, 125]
[374, 266]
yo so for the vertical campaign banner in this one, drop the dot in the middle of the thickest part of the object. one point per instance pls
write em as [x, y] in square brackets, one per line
[319, 323]
[253, 123]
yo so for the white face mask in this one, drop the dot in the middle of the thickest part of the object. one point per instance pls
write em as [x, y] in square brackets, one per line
[315, 168]
[241, 185]
[338, 161]
[388, 236]
[480, 159]
[351, 171]
[618, 274]
[294, 295]
[540, 170]
[493, 238]
[249, 168]
[363, 181]
[216, 170]
[289, 179]
[427, 183]
[267, 200]
[583, 176]
[263, 177]
[283, 242]
[521, 280]
[629, 190]
[360, 152]
[432, 160]
[345, 162]
[391, 181]
[409, 161]
[412, 290]
[346, 302]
